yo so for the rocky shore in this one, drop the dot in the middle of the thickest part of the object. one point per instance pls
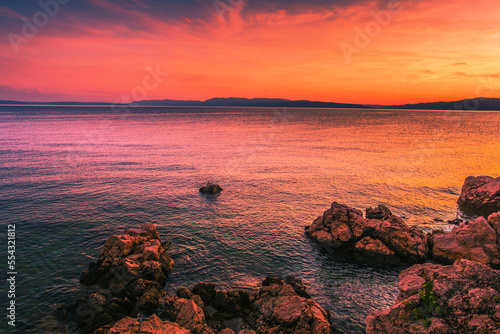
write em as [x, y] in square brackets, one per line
[127, 296]
[459, 298]
[387, 237]
[452, 286]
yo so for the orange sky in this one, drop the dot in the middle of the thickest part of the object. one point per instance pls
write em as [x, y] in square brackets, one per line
[426, 51]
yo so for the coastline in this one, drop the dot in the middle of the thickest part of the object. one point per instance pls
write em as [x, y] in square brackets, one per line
[130, 274]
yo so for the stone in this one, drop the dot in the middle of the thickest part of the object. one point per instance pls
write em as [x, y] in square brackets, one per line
[152, 325]
[480, 196]
[476, 241]
[381, 233]
[206, 291]
[381, 212]
[459, 298]
[128, 278]
[210, 188]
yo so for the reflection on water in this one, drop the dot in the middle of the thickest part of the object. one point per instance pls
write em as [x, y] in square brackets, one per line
[71, 176]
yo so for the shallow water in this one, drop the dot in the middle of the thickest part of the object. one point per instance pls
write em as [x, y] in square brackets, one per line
[71, 176]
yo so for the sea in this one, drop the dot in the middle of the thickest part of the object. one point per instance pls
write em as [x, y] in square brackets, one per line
[70, 176]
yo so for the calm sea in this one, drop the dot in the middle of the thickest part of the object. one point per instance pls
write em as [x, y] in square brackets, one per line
[72, 176]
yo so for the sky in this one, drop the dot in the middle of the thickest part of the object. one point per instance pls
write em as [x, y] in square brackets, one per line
[370, 52]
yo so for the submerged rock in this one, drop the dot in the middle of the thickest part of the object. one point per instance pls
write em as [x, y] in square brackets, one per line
[381, 234]
[480, 196]
[210, 188]
[459, 298]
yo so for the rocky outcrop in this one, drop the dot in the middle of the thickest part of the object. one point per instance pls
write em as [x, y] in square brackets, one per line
[210, 188]
[477, 241]
[459, 298]
[278, 307]
[128, 278]
[480, 196]
[380, 234]
[127, 282]
[152, 325]
[386, 236]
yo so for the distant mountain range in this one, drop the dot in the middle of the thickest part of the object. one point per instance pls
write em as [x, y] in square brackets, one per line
[468, 104]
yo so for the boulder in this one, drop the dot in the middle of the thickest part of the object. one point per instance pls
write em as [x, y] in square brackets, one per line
[381, 234]
[480, 196]
[152, 325]
[277, 308]
[211, 188]
[128, 278]
[476, 241]
[459, 298]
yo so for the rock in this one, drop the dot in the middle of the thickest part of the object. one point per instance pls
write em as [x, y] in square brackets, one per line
[476, 241]
[185, 312]
[152, 325]
[136, 254]
[381, 212]
[344, 228]
[480, 196]
[227, 331]
[206, 291]
[277, 308]
[128, 276]
[459, 298]
[210, 188]
[184, 292]
[232, 303]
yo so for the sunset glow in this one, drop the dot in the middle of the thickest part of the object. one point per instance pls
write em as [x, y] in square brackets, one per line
[386, 52]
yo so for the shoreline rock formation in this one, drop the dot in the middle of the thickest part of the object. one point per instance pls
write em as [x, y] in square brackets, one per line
[459, 298]
[380, 234]
[480, 196]
[128, 297]
[386, 237]
[127, 279]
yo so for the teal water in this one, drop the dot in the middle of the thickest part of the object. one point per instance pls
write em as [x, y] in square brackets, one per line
[72, 176]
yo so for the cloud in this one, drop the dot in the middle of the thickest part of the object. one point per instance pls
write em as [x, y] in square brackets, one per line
[485, 75]
[459, 64]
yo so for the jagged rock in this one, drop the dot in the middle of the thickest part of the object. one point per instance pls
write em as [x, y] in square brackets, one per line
[344, 228]
[211, 188]
[138, 253]
[129, 274]
[381, 212]
[459, 298]
[476, 241]
[186, 313]
[152, 325]
[277, 308]
[480, 196]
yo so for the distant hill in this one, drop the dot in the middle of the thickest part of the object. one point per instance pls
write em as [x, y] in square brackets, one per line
[243, 102]
[468, 104]
[481, 103]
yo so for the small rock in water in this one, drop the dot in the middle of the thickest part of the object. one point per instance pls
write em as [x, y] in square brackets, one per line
[438, 220]
[210, 188]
